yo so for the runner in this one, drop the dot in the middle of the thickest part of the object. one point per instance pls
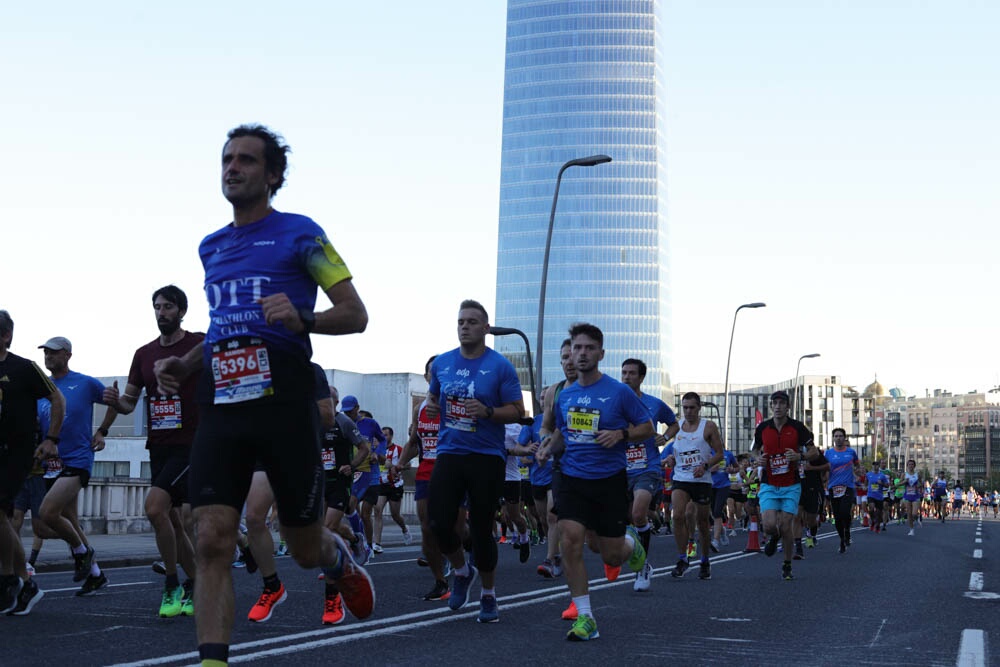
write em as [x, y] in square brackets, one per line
[811, 471]
[782, 442]
[877, 482]
[512, 501]
[596, 418]
[171, 422]
[475, 390]
[643, 458]
[696, 448]
[256, 395]
[390, 491]
[364, 490]
[911, 485]
[78, 442]
[844, 469]
[22, 386]
[958, 500]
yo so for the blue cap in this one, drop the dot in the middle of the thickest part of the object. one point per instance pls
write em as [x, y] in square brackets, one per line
[348, 403]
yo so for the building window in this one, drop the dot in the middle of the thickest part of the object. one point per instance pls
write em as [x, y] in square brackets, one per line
[112, 469]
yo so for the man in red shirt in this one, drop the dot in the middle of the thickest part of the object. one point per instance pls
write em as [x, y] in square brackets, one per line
[782, 442]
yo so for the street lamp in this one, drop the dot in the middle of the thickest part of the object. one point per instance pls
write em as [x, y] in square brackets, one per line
[725, 409]
[591, 161]
[795, 382]
[510, 331]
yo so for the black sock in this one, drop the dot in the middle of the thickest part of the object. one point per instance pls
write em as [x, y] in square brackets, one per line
[172, 581]
[272, 583]
[214, 652]
[644, 538]
[33, 557]
[331, 589]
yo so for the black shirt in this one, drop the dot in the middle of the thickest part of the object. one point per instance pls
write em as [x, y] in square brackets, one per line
[22, 383]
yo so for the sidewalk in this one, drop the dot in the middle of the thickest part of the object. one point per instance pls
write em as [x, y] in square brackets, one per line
[140, 549]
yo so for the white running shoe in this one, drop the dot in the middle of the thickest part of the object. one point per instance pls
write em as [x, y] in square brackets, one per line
[642, 578]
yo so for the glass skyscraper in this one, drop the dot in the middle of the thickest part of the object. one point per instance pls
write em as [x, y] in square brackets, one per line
[585, 77]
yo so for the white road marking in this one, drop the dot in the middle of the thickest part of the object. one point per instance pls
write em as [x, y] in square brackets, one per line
[976, 581]
[972, 649]
[76, 588]
[878, 633]
[978, 553]
[730, 620]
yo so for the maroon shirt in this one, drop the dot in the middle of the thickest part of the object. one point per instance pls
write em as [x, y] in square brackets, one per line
[170, 420]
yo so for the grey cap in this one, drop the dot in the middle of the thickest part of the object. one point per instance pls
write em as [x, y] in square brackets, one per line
[57, 343]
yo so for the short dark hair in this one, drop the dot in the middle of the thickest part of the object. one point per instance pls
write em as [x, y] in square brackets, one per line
[6, 324]
[430, 361]
[174, 295]
[834, 432]
[275, 150]
[566, 343]
[589, 330]
[472, 303]
[692, 396]
[365, 413]
[636, 362]
[389, 429]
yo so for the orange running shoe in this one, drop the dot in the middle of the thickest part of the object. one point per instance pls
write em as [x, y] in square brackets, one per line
[612, 572]
[570, 614]
[333, 610]
[266, 603]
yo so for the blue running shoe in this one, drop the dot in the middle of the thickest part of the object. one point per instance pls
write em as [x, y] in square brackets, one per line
[488, 612]
[460, 589]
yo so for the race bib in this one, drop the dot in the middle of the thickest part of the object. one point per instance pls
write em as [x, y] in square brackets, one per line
[241, 372]
[689, 460]
[164, 413]
[430, 448]
[839, 491]
[52, 468]
[328, 459]
[779, 464]
[357, 476]
[455, 415]
[582, 424]
[635, 457]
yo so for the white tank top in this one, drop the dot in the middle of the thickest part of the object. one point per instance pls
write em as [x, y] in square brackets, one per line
[690, 451]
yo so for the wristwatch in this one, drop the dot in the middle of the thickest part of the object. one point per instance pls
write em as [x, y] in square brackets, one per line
[624, 434]
[308, 318]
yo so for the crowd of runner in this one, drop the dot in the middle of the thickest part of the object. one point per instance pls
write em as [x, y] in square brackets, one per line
[246, 437]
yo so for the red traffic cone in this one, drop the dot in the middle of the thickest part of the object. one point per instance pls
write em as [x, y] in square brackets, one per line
[753, 538]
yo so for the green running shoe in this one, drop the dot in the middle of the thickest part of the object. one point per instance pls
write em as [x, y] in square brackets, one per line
[638, 558]
[172, 602]
[584, 629]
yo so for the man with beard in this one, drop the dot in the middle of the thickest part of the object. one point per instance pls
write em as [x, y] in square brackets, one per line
[170, 423]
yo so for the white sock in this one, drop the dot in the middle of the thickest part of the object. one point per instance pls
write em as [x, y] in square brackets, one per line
[488, 592]
[82, 549]
[583, 605]
[95, 571]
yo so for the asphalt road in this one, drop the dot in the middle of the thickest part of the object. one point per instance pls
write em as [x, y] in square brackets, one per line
[891, 600]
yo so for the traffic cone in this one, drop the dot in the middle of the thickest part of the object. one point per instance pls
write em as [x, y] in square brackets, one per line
[753, 538]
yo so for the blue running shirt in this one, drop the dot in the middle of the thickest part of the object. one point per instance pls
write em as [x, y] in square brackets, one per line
[841, 467]
[81, 393]
[645, 456]
[492, 381]
[606, 405]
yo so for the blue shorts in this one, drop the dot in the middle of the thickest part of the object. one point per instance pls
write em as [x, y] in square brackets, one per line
[421, 488]
[780, 498]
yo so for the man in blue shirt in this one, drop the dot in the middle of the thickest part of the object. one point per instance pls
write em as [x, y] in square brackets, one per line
[257, 394]
[77, 444]
[364, 489]
[596, 418]
[645, 477]
[877, 482]
[476, 392]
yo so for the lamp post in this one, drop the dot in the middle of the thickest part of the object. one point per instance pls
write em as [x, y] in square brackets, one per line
[591, 161]
[725, 408]
[796, 412]
[510, 331]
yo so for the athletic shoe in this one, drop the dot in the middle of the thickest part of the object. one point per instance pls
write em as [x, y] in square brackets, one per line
[570, 613]
[28, 597]
[407, 538]
[843, 548]
[692, 550]
[422, 561]
[584, 629]
[911, 533]
[798, 552]
[92, 584]
[525, 548]
[460, 588]
[488, 612]
[82, 563]
[638, 558]
[377, 548]
[447, 567]
[771, 546]
[160, 568]
[732, 532]
[239, 563]
[546, 569]
[786, 571]
[679, 569]
[360, 551]
[724, 540]
[333, 610]
[354, 583]
[268, 600]
[642, 578]
[557, 568]
[187, 602]
[714, 546]
[10, 588]
[705, 570]
[170, 606]
[611, 572]
[439, 592]
[810, 542]
[282, 549]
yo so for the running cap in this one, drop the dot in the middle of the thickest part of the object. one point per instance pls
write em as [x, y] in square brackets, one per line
[57, 343]
[781, 394]
[348, 403]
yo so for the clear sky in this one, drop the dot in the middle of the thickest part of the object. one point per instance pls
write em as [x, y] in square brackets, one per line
[839, 161]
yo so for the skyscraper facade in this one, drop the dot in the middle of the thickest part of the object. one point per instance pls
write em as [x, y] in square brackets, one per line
[586, 77]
